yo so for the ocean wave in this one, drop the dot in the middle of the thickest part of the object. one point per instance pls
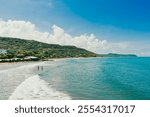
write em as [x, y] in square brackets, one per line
[35, 88]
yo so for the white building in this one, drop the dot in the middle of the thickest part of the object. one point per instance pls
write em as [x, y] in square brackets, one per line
[31, 58]
[2, 51]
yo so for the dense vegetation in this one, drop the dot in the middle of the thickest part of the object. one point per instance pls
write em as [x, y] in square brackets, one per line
[19, 48]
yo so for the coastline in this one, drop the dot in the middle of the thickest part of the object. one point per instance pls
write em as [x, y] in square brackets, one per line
[3, 65]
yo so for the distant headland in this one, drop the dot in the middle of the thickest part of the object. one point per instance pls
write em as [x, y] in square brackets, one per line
[116, 55]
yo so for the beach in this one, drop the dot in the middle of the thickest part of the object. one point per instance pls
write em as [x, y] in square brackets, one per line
[21, 81]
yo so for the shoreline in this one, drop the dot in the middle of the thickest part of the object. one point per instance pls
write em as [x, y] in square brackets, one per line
[56, 59]
[20, 63]
[51, 59]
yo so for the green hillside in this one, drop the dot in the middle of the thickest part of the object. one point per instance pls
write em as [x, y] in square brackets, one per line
[19, 48]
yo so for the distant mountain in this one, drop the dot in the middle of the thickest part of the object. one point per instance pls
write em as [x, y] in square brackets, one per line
[20, 48]
[116, 55]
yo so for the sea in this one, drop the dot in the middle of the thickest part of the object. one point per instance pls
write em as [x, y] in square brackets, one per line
[78, 79]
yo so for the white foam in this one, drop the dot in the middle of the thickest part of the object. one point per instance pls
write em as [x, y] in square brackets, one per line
[36, 88]
[10, 78]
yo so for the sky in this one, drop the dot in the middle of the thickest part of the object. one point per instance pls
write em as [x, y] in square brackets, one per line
[101, 26]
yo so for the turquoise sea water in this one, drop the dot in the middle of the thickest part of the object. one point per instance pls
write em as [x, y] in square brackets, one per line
[101, 78]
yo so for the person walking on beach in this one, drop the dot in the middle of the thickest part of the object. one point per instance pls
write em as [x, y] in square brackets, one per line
[38, 68]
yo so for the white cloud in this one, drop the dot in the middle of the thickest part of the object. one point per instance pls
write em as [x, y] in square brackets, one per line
[20, 29]
[27, 30]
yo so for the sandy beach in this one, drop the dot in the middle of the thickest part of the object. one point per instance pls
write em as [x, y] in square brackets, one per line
[12, 74]
[21, 81]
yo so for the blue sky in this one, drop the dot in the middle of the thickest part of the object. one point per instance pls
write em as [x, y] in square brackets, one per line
[113, 20]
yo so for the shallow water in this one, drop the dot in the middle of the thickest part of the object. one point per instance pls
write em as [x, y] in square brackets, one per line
[102, 78]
